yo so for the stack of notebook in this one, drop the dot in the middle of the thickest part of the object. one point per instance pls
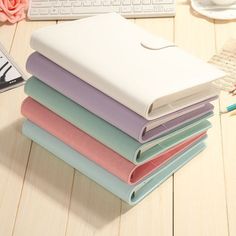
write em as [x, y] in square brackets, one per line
[121, 106]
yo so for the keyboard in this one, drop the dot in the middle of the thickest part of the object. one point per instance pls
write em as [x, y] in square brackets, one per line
[75, 9]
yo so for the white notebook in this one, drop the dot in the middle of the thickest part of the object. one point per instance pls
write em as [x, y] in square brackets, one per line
[149, 75]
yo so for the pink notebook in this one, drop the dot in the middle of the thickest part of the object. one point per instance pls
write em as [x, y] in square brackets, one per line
[93, 149]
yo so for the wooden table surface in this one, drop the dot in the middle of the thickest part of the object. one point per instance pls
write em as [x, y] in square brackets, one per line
[41, 195]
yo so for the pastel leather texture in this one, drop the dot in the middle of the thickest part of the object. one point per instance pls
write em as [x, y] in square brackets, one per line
[104, 132]
[93, 149]
[113, 55]
[131, 194]
[106, 107]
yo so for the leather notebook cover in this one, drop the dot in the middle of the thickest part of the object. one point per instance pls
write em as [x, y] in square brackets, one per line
[131, 194]
[96, 151]
[104, 132]
[106, 107]
[149, 75]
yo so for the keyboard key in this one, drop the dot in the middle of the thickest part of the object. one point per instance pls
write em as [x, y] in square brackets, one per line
[97, 3]
[116, 2]
[126, 9]
[77, 4]
[159, 8]
[136, 2]
[43, 11]
[34, 11]
[57, 4]
[106, 2]
[65, 11]
[169, 9]
[146, 2]
[138, 8]
[162, 1]
[116, 9]
[87, 3]
[91, 10]
[149, 8]
[126, 2]
[40, 4]
[66, 4]
[54, 11]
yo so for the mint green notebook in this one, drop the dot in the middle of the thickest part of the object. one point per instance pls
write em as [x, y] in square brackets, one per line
[131, 194]
[107, 134]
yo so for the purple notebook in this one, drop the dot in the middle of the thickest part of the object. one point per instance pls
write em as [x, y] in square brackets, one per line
[106, 107]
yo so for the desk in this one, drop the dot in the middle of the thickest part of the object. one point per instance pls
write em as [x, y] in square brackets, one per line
[41, 195]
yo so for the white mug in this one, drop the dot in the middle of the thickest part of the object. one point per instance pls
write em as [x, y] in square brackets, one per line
[223, 2]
